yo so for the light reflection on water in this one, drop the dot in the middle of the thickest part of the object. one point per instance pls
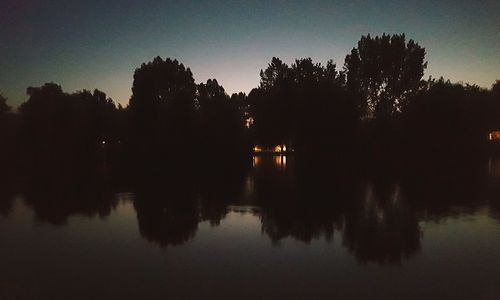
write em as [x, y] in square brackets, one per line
[256, 161]
[352, 237]
[280, 161]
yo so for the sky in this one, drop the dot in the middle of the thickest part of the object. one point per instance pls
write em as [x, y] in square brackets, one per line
[88, 44]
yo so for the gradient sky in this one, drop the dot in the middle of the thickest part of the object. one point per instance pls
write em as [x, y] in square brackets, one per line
[87, 44]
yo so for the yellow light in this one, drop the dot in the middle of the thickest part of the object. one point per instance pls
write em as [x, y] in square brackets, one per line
[280, 161]
[284, 148]
[494, 136]
[257, 149]
[277, 148]
[256, 161]
[249, 122]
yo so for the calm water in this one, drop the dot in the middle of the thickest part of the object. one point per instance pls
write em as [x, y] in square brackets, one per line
[266, 233]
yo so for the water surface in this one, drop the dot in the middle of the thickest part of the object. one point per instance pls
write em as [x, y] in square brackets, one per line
[270, 232]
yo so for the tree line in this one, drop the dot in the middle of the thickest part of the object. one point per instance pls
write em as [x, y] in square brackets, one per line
[376, 105]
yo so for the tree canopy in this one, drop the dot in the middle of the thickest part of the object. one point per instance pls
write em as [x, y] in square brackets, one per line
[387, 72]
[4, 108]
[162, 109]
[57, 127]
[376, 105]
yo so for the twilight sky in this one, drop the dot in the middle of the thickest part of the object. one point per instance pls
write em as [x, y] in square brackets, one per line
[87, 44]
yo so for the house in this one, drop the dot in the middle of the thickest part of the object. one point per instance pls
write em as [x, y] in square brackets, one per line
[278, 149]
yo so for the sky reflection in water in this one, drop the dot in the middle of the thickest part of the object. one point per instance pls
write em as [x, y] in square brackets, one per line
[257, 236]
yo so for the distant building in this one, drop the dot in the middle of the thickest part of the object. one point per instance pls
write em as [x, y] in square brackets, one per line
[278, 149]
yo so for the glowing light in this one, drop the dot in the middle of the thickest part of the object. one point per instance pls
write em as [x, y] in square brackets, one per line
[256, 161]
[280, 161]
[284, 148]
[277, 148]
[494, 136]
[257, 149]
[103, 142]
[249, 122]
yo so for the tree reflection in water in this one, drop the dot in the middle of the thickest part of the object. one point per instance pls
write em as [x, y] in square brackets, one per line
[55, 197]
[383, 228]
[376, 215]
[168, 216]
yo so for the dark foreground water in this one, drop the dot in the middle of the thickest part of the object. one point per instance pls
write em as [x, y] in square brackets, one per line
[267, 233]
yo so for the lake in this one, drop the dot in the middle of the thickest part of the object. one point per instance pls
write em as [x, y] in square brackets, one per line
[272, 231]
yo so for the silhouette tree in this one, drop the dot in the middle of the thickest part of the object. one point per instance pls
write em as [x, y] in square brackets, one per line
[4, 108]
[386, 71]
[323, 117]
[304, 105]
[378, 104]
[65, 130]
[162, 109]
[271, 106]
[221, 123]
[44, 122]
[447, 119]
[98, 112]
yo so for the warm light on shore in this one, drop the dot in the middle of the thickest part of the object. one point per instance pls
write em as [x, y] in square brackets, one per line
[276, 149]
[494, 136]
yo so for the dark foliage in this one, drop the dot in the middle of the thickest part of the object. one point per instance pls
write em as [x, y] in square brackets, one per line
[377, 110]
[221, 123]
[162, 111]
[66, 131]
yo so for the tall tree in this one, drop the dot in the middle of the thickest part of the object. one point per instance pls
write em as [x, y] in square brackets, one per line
[270, 104]
[221, 119]
[304, 105]
[162, 107]
[323, 115]
[276, 73]
[387, 73]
